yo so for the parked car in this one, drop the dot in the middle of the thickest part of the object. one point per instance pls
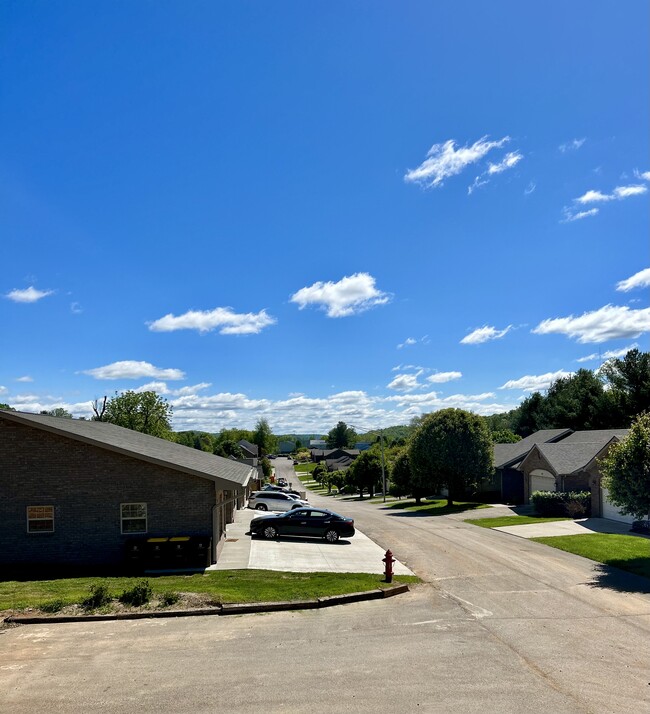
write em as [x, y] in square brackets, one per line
[274, 501]
[314, 522]
[282, 481]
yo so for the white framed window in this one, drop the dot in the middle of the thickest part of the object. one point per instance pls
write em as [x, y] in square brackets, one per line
[40, 519]
[133, 517]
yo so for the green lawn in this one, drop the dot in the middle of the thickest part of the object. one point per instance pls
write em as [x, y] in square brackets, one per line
[435, 507]
[305, 468]
[226, 586]
[630, 553]
[510, 521]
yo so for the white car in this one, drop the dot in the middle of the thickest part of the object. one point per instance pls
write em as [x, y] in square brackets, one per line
[274, 501]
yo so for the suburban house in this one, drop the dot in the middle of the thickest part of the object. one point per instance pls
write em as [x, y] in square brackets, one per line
[340, 464]
[558, 460]
[251, 451]
[319, 455]
[72, 492]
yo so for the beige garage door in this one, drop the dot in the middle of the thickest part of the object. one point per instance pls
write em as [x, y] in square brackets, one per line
[542, 483]
[610, 510]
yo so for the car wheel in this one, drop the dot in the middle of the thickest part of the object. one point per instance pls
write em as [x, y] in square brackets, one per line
[261, 507]
[331, 536]
[270, 532]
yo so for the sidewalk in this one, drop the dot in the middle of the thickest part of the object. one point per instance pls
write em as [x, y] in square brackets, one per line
[583, 526]
[358, 554]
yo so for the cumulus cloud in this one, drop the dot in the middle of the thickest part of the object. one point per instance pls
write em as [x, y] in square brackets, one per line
[441, 377]
[30, 294]
[351, 295]
[610, 354]
[484, 334]
[638, 280]
[444, 161]
[645, 175]
[607, 323]
[533, 383]
[2, 389]
[229, 322]
[572, 145]
[130, 369]
[619, 193]
[162, 388]
[405, 382]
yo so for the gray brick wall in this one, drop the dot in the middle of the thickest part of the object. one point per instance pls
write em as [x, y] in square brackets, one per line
[86, 486]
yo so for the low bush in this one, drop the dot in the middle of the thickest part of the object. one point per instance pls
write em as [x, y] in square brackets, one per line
[52, 606]
[574, 504]
[169, 598]
[99, 597]
[138, 595]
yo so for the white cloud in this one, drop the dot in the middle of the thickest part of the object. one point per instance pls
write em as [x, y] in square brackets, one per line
[607, 323]
[572, 145]
[231, 323]
[441, 377]
[404, 367]
[510, 160]
[484, 334]
[530, 188]
[444, 161]
[593, 197]
[2, 389]
[30, 294]
[408, 341]
[569, 217]
[533, 383]
[645, 175]
[610, 354]
[26, 378]
[162, 388]
[632, 190]
[75, 308]
[351, 295]
[638, 280]
[405, 382]
[130, 369]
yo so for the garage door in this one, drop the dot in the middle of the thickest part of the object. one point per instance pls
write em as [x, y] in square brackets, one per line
[542, 483]
[610, 510]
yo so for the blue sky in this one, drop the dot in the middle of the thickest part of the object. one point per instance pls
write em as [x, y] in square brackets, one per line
[319, 211]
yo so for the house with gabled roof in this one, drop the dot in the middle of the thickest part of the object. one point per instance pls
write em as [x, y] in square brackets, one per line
[72, 492]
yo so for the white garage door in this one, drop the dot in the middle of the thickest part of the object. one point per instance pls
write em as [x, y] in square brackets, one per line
[610, 510]
[542, 483]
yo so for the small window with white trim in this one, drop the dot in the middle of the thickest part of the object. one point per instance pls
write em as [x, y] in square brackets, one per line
[40, 519]
[133, 517]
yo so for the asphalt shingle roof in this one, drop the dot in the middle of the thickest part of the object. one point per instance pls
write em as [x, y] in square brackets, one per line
[568, 458]
[596, 435]
[225, 473]
[510, 454]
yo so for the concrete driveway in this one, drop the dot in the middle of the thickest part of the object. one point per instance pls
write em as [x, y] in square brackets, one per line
[358, 554]
[583, 526]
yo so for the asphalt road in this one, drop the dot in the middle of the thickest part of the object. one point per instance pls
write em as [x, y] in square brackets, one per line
[502, 624]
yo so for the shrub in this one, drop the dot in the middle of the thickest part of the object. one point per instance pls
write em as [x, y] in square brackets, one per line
[575, 504]
[169, 598]
[138, 595]
[99, 597]
[52, 606]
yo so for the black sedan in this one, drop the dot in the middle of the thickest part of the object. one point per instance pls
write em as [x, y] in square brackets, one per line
[315, 522]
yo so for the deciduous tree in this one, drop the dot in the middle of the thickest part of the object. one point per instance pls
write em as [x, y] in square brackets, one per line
[146, 412]
[451, 449]
[341, 436]
[626, 470]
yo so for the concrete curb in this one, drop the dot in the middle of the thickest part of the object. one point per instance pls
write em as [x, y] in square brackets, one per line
[226, 609]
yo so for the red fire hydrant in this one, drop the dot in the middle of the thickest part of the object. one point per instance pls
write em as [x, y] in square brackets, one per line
[388, 570]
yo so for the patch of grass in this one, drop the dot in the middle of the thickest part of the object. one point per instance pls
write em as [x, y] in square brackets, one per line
[221, 586]
[436, 507]
[169, 598]
[511, 521]
[631, 553]
[305, 468]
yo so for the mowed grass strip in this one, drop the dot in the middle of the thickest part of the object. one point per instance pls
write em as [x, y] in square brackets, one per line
[305, 468]
[437, 507]
[511, 521]
[631, 553]
[225, 586]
